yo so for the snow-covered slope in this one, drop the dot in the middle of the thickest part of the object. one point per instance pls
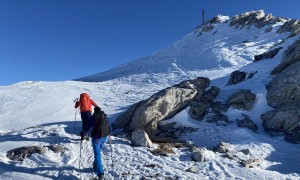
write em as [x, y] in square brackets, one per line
[199, 53]
[42, 113]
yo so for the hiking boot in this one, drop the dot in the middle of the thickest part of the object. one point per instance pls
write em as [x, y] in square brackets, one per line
[87, 138]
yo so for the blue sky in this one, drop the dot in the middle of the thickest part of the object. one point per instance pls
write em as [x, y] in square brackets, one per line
[56, 40]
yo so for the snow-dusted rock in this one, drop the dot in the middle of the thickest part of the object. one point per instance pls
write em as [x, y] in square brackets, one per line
[251, 163]
[257, 18]
[21, 153]
[223, 147]
[267, 55]
[57, 148]
[290, 56]
[141, 138]
[242, 99]
[193, 169]
[292, 26]
[146, 114]
[199, 155]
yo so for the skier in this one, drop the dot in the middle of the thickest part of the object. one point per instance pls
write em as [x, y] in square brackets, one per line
[99, 126]
[85, 105]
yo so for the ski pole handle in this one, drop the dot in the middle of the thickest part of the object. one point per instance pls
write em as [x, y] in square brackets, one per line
[75, 100]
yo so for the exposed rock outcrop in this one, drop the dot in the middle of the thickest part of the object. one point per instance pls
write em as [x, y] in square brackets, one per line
[242, 99]
[283, 94]
[290, 56]
[146, 114]
[284, 89]
[257, 18]
[285, 119]
[292, 26]
[267, 55]
[199, 107]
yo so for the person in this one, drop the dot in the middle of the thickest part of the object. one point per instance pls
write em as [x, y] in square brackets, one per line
[100, 130]
[85, 105]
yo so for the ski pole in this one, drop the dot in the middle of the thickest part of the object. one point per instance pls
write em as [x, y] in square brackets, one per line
[80, 153]
[75, 115]
[110, 142]
[75, 121]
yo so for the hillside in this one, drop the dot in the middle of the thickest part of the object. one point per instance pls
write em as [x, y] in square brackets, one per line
[42, 113]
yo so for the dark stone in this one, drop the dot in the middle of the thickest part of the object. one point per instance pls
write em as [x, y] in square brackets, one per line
[267, 55]
[236, 77]
[21, 153]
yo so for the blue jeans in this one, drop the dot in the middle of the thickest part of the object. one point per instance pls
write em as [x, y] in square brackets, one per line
[98, 144]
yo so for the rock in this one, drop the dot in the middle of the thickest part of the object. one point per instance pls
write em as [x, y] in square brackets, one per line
[251, 74]
[207, 28]
[290, 56]
[218, 107]
[213, 91]
[146, 114]
[199, 155]
[223, 147]
[291, 26]
[257, 18]
[267, 55]
[247, 122]
[198, 109]
[166, 127]
[236, 77]
[284, 89]
[124, 119]
[215, 118]
[245, 151]
[21, 153]
[269, 29]
[183, 131]
[192, 169]
[231, 156]
[154, 166]
[242, 99]
[285, 119]
[57, 148]
[251, 163]
[140, 138]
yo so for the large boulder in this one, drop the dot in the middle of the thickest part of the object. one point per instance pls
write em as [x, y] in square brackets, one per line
[290, 56]
[284, 119]
[284, 89]
[242, 99]
[146, 114]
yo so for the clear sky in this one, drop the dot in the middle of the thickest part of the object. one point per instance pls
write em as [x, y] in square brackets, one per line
[56, 40]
